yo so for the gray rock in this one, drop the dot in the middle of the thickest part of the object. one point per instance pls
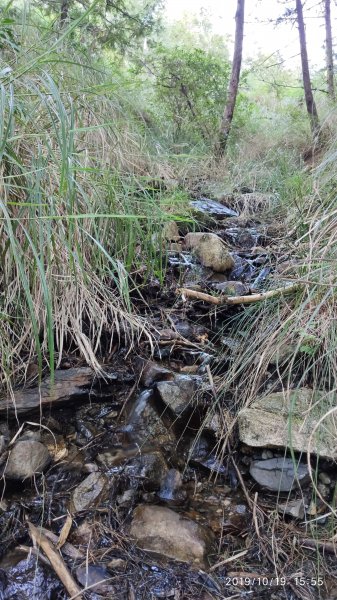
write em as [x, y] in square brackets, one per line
[148, 469]
[293, 508]
[152, 372]
[232, 288]
[279, 474]
[178, 395]
[213, 208]
[324, 490]
[27, 458]
[281, 420]
[160, 530]
[88, 492]
[144, 425]
[267, 454]
[324, 478]
[210, 250]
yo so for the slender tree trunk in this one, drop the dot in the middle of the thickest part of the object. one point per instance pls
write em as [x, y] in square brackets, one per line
[309, 98]
[64, 12]
[328, 50]
[227, 118]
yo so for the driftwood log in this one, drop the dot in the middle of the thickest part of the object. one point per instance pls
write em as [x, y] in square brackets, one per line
[70, 384]
[232, 300]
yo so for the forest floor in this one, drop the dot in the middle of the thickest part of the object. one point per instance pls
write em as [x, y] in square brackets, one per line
[146, 488]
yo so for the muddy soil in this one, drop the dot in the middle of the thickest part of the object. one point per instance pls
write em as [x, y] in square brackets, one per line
[128, 476]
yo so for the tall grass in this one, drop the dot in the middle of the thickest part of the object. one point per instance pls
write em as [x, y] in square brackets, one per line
[77, 214]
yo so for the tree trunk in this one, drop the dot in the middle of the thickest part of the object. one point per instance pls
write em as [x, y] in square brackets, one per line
[328, 50]
[64, 12]
[309, 98]
[234, 80]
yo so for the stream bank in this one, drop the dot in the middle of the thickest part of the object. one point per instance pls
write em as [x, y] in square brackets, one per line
[152, 484]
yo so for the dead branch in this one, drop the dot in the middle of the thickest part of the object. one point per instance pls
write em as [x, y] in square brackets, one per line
[56, 561]
[232, 300]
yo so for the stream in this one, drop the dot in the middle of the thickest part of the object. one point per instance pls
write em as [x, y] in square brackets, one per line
[128, 473]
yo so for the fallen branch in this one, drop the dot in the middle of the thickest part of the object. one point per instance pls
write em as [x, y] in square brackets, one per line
[55, 560]
[219, 300]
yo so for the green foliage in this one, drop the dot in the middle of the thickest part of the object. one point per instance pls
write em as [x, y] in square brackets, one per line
[191, 87]
[114, 24]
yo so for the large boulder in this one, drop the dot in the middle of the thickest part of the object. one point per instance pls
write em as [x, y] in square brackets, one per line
[210, 250]
[162, 531]
[288, 421]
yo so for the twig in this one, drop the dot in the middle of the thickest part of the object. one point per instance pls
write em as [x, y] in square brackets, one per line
[228, 560]
[231, 300]
[56, 561]
[317, 545]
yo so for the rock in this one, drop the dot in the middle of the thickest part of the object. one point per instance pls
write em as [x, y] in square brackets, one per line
[232, 288]
[242, 237]
[293, 508]
[94, 575]
[170, 231]
[279, 474]
[235, 517]
[170, 488]
[127, 498]
[324, 478]
[267, 454]
[148, 470]
[270, 419]
[116, 563]
[213, 208]
[88, 492]
[210, 250]
[324, 490]
[178, 395]
[144, 423]
[27, 458]
[281, 354]
[152, 372]
[160, 530]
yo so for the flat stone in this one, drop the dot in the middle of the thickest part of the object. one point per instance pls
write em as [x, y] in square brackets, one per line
[279, 474]
[88, 492]
[161, 531]
[213, 208]
[178, 395]
[279, 420]
[293, 508]
[210, 250]
[27, 458]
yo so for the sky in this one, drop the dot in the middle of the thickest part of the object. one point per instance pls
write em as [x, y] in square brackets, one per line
[261, 36]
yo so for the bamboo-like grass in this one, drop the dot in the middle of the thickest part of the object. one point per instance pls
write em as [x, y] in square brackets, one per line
[77, 219]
